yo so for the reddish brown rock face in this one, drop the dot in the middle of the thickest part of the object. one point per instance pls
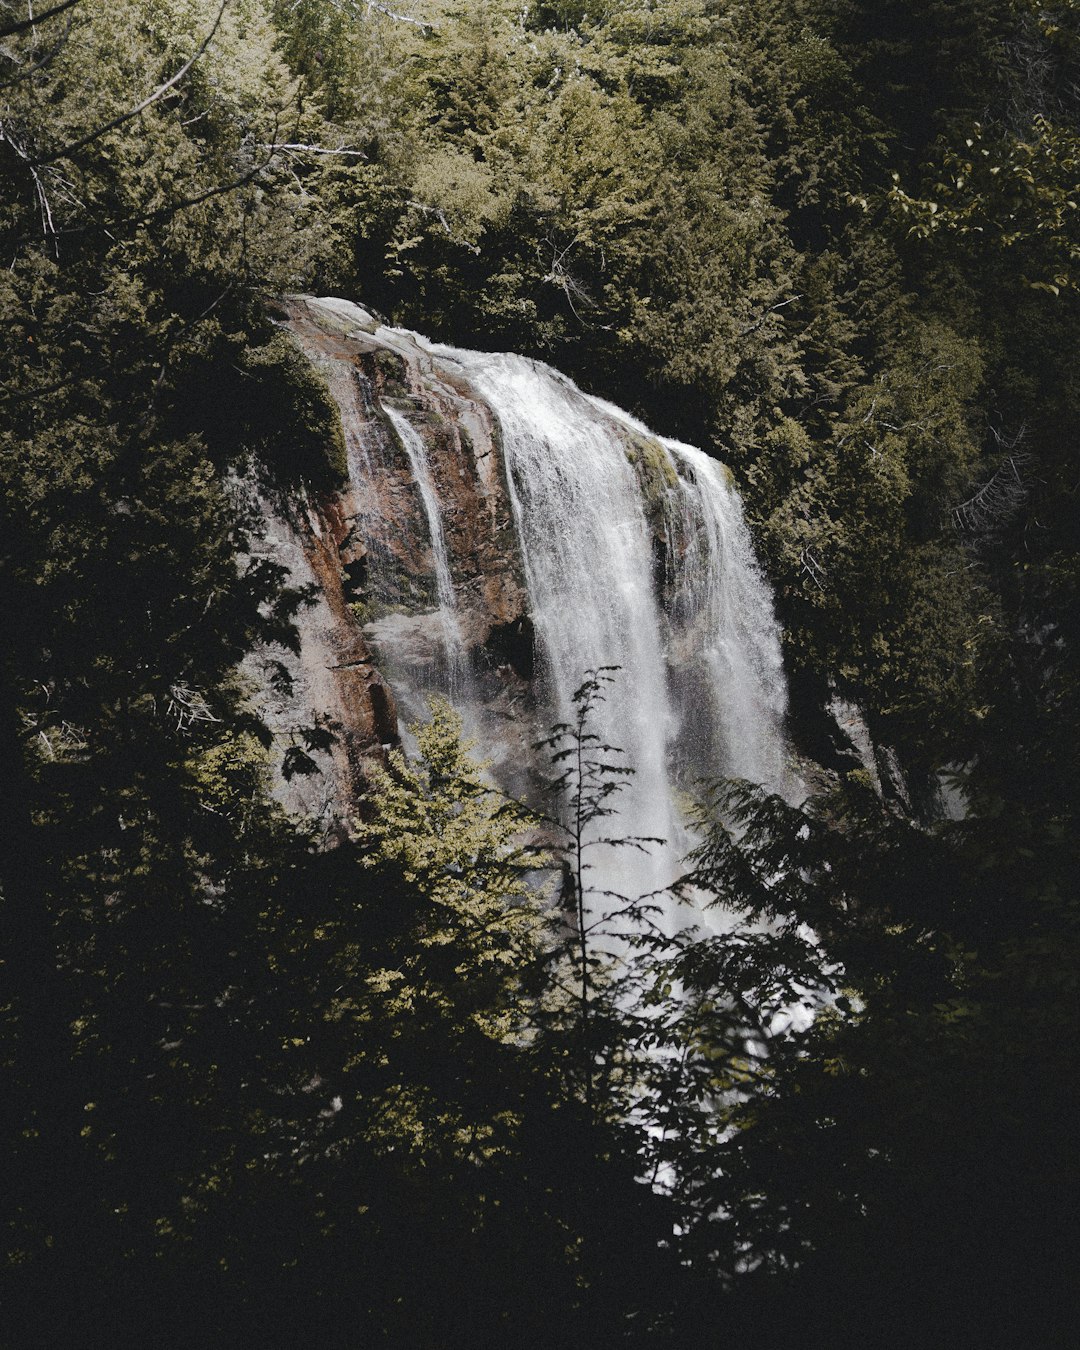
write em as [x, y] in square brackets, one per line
[376, 624]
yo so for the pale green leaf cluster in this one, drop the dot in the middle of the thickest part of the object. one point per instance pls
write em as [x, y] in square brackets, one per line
[460, 846]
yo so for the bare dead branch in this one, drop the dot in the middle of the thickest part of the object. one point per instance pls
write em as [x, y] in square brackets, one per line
[188, 706]
[440, 216]
[298, 147]
[812, 568]
[24, 25]
[47, 224]
[1003, 493]
[373, 7]
[174, 208]
[753, 327]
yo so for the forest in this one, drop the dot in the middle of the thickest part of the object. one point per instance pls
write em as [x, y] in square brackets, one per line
[262, 1088]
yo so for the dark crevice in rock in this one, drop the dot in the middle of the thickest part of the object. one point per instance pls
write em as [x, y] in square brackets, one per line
[513, 644]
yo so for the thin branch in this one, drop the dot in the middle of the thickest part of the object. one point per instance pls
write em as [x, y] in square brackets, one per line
[24, 25]
[47, 224]
[312, 149]
[164, 212]
[1004, 492]
[374, 7]
[753, 327]
[812, 567]
[42, 59]
[188, 706]
[440, 216]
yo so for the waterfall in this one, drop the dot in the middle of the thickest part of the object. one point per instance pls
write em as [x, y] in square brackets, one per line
[721, 586]
[587, 556]
[633, 552]
[416, 450]
[700, 690]
[727, 680]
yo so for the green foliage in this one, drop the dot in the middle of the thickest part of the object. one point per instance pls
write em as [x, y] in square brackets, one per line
[1016, 194]
[456, 844]
[290, 419]
[254, 1088]
[888, 1133]
[435, 965]
[140, 232]
[440, 1044]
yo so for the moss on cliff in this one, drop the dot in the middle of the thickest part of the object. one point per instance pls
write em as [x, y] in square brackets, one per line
[294, 424]
[393, 376]
[655, 472]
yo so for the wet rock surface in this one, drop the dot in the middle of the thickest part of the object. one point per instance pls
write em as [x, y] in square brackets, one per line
[372, 643]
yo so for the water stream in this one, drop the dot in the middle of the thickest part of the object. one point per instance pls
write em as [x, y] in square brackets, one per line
[416, 451]
[700, 689]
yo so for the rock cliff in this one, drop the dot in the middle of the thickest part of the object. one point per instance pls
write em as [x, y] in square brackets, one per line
[498, 534]
[372, 640]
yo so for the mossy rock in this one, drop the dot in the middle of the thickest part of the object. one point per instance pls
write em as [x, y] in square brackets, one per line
[392, 374]
[391, 590]
[291, 418]
[343, 325]
[652, 464]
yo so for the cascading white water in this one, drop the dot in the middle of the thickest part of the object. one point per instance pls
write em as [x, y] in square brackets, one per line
[721, 586]
[587, 555]
[700, 691]
[722, 630]
[416, 451]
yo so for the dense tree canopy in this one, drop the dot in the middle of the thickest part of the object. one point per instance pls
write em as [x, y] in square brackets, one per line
[261, 1092]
